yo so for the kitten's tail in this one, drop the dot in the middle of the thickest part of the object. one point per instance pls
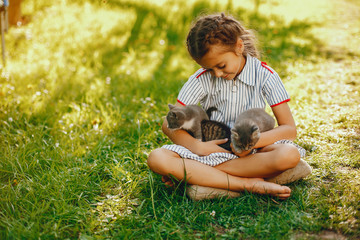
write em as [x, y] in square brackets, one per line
[210, 110]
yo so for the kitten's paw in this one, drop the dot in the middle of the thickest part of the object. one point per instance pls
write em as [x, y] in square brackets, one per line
[240, 153]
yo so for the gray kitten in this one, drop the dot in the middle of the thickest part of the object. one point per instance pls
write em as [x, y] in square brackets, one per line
[188, 118]
[247, 128]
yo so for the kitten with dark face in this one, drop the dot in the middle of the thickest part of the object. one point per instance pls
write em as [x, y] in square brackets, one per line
[247, 128]
[214, 130]
[195, 121]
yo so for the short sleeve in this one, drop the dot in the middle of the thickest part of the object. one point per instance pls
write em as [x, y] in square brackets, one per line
[192, 91]
[274, 90]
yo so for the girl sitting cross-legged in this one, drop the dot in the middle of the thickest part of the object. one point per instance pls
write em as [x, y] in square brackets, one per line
[233, 80]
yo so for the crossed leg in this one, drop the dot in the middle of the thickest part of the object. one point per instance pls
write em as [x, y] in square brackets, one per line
[166, 162]
[267, 162]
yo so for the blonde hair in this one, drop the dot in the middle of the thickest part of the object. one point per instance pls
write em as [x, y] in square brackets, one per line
[219, 29]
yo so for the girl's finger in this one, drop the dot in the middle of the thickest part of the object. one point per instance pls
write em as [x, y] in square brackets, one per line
[220, 141]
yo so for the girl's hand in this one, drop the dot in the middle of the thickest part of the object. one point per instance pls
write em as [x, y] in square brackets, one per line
[206, 148]
[240, 154]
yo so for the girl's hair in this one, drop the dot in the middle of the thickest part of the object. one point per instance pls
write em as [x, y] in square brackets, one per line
[219, 29]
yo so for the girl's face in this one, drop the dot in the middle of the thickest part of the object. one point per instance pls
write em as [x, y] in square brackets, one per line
[222, 62]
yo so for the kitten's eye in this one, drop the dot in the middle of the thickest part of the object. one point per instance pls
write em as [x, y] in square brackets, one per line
[173, 115]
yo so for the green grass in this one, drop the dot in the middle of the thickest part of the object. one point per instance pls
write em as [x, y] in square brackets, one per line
[82, 99]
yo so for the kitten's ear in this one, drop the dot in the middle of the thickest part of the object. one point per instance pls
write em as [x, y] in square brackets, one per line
[255, 132]
[254, 129]
[234, 134]
[171, 106]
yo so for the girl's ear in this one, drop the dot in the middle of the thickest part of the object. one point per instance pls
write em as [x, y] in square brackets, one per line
[239, 48]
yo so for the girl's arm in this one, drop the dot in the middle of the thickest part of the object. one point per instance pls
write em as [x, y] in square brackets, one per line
[183, 138]
[286, 127]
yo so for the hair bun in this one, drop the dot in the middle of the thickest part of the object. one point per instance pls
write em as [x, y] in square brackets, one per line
[219, 29]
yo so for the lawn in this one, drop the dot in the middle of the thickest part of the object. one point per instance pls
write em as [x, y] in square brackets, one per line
[82, 99]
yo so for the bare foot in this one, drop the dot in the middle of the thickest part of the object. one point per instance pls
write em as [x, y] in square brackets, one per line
[254, 185]
[258, 185]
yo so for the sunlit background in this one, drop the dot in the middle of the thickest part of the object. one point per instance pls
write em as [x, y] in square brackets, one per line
[86, 85]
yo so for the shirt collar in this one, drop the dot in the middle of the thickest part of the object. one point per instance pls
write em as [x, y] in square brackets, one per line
[247, 75]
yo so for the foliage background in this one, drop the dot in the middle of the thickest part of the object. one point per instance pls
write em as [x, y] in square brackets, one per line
[82, 99]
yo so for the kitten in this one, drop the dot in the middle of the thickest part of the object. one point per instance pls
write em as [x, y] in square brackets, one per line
[195, 121]
[214, 130]
[188, 118]
[247, 128]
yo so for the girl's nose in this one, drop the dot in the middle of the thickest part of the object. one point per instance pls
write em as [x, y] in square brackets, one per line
[218, 73]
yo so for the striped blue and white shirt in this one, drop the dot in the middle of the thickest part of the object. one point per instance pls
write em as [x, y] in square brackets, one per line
[256, 84]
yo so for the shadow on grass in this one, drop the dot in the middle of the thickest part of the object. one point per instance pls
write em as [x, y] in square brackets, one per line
[157, 39]
[163, 30]
[280, 42]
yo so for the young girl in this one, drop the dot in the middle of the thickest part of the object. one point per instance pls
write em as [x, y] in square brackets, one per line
[233, 80]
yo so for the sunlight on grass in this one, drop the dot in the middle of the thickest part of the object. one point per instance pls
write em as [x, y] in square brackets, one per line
[290, 10]
[66, 54]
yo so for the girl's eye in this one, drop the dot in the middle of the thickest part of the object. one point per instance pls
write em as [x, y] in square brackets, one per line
[222, 67]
